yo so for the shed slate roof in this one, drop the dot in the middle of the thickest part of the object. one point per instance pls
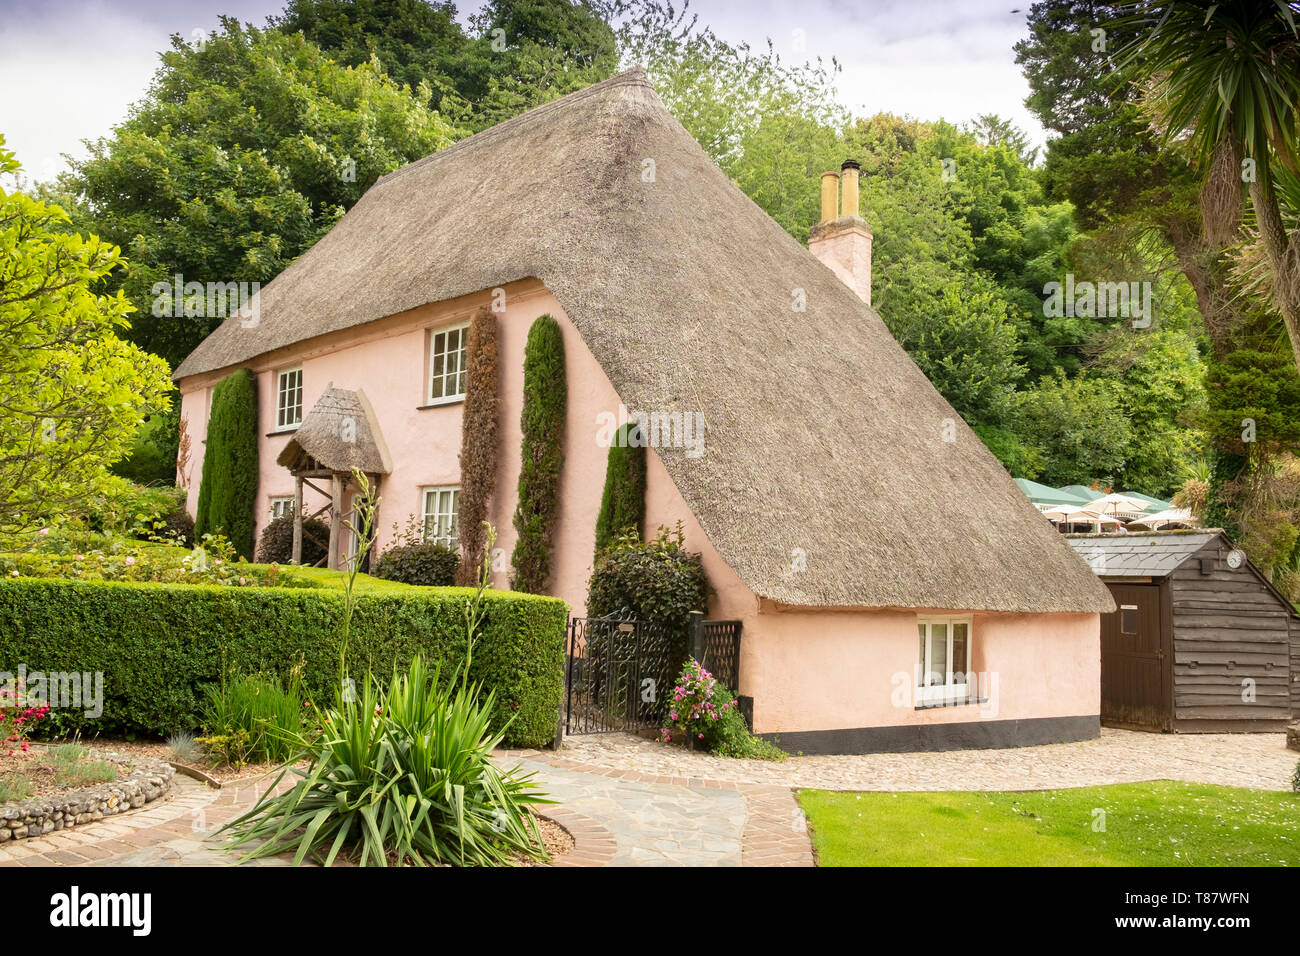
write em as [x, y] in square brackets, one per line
[1139, 555]
[823, 439]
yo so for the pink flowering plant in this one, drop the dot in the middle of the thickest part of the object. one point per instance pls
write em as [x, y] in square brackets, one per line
[703, 714]
[18, 715]
[697, 704]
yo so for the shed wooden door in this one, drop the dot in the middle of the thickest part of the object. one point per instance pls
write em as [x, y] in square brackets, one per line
[1135, 660]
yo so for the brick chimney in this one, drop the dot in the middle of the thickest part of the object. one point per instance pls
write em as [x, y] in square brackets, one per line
[843, 242]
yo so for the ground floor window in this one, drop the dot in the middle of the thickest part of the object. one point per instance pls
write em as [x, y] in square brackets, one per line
[441, 514]
[281, 506]
[943, 665]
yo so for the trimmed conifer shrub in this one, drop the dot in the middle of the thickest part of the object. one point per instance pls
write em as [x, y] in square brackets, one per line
[478, 443]
[542, 454]
[622, 506]
[228, 488]
[275, 546]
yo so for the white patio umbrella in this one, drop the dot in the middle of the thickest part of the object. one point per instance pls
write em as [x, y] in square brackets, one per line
[1118, 505]
[1167, 517]
[1077, 515]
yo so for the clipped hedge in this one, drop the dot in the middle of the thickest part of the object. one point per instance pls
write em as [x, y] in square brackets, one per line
[158, 644]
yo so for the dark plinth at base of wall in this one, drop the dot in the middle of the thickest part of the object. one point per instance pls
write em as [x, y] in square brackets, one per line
[972, 735]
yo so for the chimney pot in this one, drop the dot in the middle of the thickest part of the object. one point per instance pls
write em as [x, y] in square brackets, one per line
[849, 178]
[830, 196]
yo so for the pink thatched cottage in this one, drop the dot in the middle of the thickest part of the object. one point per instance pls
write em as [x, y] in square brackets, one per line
[896, 589]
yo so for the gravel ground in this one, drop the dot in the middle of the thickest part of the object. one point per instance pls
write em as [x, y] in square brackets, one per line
[1118, 756]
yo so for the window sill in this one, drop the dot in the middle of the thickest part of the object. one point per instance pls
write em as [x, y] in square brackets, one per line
[282, 431]
[440, 402]
[950, 702]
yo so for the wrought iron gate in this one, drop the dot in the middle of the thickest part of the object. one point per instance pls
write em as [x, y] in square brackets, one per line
[619, 672]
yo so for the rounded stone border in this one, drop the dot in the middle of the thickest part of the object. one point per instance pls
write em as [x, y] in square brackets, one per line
[149, 780]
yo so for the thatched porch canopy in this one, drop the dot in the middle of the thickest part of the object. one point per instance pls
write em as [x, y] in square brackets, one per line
[340, 435]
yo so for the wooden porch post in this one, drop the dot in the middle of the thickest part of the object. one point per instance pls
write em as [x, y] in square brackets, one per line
[297, 519]
[336, 518]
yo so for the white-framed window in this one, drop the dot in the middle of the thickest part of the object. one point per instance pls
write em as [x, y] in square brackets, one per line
[281, 506]
[943, 663]
[441, 515]
[447, 364]
[288, 399]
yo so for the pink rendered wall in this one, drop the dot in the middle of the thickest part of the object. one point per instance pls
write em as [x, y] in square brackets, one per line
[387, 360]
[807, 670]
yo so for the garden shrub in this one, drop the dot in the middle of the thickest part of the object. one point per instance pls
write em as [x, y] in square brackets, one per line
[402, 774]
[158, 645]
[656, 581]
[118, 559]
[703, 714]
[541, 454]
[177, 527]
[228, 490]
[622, 505]
[253, 719]
[478, 444]
[276, 544]
[425, 562]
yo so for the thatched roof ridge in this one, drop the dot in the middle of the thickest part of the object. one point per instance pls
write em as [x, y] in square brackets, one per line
[340, 433]
[827, 478]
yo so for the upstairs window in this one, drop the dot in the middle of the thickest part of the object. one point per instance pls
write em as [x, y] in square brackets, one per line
[441, 516]
[447, 365]
[288, 399]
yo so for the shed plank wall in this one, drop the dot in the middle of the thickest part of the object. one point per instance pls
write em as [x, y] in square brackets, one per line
[1229, 626]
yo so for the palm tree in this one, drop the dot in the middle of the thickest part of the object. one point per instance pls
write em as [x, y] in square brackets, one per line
[1224, 79]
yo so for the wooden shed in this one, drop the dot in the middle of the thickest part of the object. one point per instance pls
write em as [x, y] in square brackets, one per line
[1201, 642]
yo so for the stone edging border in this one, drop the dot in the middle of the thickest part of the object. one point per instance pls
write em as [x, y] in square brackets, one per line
[775, 831]
[38, 816]
[593, 844]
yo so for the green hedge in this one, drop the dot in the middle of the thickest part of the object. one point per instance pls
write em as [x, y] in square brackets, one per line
[157, 644]
[228, 487]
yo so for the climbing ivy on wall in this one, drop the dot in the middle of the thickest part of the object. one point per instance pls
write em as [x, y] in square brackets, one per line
[622, 506]
[542, 455]
[478, 443]
[228, 487]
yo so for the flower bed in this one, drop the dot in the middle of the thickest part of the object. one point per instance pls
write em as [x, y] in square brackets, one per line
[143, 781]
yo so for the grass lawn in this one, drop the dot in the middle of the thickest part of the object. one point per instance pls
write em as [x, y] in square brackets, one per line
[1146, 824]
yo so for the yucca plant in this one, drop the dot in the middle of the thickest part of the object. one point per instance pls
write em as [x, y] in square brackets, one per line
[401, 775]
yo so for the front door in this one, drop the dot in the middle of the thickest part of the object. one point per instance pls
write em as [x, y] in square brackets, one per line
[1134, 665]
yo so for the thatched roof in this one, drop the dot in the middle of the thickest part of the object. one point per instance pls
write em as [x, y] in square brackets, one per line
[825, 478]
[340, 433]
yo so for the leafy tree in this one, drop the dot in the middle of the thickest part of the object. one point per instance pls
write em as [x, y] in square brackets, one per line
[1080, 426]
[967, 348]
[622, 504]
[244, 152]
[72, 393]
[1225, 80]
[228, 490]
[413, 40]
[541, 454]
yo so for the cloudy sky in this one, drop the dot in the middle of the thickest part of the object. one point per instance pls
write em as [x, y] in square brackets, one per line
[70, 68]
